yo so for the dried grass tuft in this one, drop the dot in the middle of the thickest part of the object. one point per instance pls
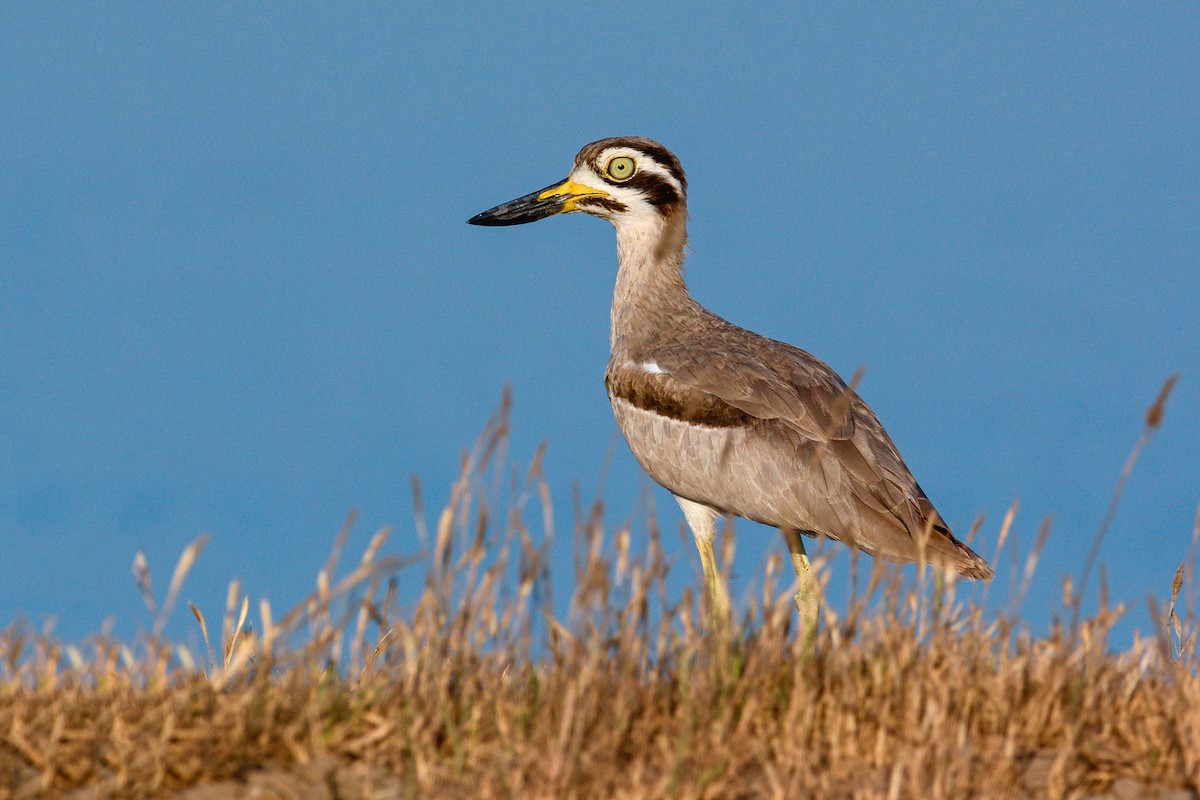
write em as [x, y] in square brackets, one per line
[478, 689]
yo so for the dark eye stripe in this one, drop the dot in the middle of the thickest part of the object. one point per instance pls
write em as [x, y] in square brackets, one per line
[612, 204]
[657, 189]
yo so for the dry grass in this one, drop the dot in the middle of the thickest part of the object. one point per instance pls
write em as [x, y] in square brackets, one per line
[480, 691]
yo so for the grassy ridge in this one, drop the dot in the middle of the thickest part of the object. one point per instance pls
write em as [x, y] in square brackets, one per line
[478, 690]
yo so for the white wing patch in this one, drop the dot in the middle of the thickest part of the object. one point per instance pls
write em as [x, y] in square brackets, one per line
[646, 366]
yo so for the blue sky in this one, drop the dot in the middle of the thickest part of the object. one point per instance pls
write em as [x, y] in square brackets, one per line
[238, 295]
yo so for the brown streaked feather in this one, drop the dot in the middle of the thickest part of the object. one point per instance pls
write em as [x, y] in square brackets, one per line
[803, 416]
[763, 377]
[669, 398]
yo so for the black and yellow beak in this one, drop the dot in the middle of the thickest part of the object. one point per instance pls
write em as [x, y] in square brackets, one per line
[560, 198]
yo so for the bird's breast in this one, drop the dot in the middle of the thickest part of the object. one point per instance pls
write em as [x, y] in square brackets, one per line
[698, 446]
[689, 459]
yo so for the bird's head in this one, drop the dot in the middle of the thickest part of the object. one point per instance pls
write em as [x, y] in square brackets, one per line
[628, 180]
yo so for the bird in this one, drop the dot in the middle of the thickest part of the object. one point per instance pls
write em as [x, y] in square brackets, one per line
[728, 421]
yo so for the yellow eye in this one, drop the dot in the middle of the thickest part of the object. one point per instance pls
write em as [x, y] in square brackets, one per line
[621, 168]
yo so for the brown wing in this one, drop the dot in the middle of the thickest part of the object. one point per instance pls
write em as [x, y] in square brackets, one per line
[772, 380]
[792, 386]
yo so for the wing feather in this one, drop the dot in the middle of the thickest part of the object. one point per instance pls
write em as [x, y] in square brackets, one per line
[783, 383]
[772, 380]
[835, 433]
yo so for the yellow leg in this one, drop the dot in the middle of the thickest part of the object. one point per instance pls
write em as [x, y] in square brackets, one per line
[807, 600]
[719, 610]
[702, 520]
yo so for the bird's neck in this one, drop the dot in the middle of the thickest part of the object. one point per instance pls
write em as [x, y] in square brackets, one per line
[650, 294]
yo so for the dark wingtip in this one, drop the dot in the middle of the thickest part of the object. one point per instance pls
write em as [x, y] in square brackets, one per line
[974, 565]
[966, 562]
[980, 571]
